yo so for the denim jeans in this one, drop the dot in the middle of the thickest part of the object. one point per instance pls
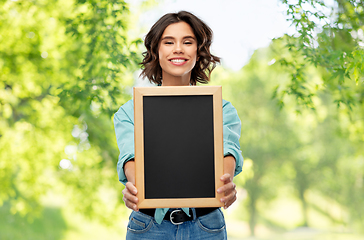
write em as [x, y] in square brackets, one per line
[210, 226]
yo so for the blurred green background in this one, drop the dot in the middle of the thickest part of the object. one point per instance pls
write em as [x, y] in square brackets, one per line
[67, 66]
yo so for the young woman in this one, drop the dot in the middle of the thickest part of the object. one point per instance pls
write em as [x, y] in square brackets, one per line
[178, 54]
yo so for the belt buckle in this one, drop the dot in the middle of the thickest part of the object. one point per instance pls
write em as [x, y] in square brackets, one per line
[171, 217]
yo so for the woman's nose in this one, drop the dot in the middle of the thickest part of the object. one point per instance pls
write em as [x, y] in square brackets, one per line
[178, 48]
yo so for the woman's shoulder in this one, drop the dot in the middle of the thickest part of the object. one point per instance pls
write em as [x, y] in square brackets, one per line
[128, 104]
[226, 104]
[126, 109]
[228, 109]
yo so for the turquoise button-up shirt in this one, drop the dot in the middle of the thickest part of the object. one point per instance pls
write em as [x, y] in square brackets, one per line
[124, 130]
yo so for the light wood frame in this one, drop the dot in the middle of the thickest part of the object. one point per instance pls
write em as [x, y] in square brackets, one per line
[139, 93]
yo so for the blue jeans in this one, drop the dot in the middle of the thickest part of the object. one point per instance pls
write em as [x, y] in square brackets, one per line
[210, 226]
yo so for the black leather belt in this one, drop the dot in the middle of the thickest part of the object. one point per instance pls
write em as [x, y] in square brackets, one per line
[178, 216]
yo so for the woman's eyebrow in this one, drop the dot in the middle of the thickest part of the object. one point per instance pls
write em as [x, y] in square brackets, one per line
[167, 37]
[185, 37]
[189, 37]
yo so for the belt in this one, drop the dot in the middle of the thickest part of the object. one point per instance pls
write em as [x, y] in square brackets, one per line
[178, 216]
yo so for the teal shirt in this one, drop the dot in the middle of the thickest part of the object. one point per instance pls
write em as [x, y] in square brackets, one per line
[124, 130]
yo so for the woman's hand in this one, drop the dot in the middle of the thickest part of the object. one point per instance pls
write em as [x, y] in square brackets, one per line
[130, 191]
[130, 198]
[228, 189]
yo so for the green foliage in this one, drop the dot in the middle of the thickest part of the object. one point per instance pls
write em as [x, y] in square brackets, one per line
[50, 226]
[331, 39]
[100, 27]
[65, 68]
[292, 149]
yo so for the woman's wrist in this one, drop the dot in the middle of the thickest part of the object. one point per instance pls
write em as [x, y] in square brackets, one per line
[129, 170]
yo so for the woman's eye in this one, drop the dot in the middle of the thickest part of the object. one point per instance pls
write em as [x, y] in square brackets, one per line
[188, 43]
[168, 43]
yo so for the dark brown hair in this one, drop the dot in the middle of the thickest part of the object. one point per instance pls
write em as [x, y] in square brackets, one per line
[206, 61]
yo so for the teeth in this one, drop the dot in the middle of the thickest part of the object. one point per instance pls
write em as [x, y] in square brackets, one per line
[177, 60]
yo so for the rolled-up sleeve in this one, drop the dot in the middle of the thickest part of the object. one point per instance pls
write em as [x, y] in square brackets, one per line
[231, 131]
[124, 131]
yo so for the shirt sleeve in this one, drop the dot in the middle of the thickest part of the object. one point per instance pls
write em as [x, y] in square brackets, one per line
[231, 135]
[124, 131]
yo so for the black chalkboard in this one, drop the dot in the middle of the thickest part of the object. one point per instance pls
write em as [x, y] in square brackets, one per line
[178, 146]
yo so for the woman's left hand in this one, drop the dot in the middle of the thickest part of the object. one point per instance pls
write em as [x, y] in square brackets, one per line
[228, 189]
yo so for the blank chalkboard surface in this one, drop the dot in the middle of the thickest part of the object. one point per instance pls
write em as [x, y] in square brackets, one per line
[178, 146]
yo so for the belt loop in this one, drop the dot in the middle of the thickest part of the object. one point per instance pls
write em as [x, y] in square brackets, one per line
[193, 213]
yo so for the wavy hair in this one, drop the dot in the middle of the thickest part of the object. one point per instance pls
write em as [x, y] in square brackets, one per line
[206, 61]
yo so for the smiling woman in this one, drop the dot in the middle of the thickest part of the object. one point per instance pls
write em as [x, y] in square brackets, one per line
[178, 54]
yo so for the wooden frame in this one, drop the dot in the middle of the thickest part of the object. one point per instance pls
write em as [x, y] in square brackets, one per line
[140, 94]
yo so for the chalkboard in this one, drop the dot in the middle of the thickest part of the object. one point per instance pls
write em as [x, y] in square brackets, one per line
[178, 146]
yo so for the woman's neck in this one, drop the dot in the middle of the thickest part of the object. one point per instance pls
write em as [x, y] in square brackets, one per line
[176, 81]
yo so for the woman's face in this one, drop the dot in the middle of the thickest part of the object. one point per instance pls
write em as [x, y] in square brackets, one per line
[177, 54]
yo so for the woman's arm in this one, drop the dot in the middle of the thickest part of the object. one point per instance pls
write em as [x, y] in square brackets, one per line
[124, 130]
[233, 160]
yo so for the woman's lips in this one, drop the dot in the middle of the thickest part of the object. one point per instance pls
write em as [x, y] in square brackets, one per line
[178, 61]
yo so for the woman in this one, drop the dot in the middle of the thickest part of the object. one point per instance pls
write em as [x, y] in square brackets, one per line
[178, 54]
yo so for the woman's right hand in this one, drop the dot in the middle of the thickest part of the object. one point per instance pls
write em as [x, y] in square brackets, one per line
[130, 198]
[130, 191]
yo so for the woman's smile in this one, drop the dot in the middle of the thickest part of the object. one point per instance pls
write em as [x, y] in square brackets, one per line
[178, 61]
